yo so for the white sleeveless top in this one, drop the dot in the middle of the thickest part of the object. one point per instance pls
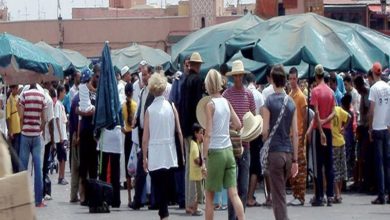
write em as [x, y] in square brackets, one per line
[162, 148]
[220, 137]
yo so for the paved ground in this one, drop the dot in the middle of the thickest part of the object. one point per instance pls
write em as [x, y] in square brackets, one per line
[355, 206]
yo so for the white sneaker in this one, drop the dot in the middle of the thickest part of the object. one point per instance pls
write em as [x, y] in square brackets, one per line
[47, 197]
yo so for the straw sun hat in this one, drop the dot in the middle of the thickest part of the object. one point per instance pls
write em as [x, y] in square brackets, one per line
[196, 58]
[252, 127]
[201, 110]
[237, 68]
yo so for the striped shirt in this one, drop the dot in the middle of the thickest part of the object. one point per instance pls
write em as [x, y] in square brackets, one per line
[242, 101]
[33, 101]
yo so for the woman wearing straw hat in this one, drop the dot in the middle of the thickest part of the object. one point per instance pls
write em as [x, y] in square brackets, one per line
[219, 165]
[280, 118]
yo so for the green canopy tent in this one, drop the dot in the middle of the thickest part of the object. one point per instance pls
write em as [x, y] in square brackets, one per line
[21, 62]
[66, 58]
[208, 42]
[133, 55]
[313, 39]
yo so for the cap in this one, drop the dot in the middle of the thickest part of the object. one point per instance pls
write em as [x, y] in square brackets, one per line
[377, 68]
[319, 70]
[86, 75]
[124, 70]
[143, 63]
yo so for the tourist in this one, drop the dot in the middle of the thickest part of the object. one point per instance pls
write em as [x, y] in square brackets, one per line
[145, 100]
[380, 107]
[219, 165]
[195, 160]
[88, 152]
[159, 154]
[190, 94]
[60, 133]
[242, 101]
[128, 112]
[323, 102]
[255, 145]
[339, 122]
[32, 116]
[280, 118]
[298, 184]
[13, 118]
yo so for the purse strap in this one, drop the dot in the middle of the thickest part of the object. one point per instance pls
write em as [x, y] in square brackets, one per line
[279, 118]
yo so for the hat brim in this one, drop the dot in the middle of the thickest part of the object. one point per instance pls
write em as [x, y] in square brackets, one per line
[248, 133]
[196, 61]
[235, 73]
[201, 111]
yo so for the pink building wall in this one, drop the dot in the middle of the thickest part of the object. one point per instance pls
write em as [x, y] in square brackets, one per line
[88, 35]
[81, 13]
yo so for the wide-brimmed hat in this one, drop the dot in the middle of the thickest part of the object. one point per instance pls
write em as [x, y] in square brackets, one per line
[237, 68]
[252, 127]
[196, 58]
[124, 70]
[201, 111]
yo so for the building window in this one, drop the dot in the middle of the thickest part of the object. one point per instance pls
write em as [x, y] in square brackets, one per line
[203, 22]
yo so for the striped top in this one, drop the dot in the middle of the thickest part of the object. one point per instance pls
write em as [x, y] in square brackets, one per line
[33, 101]
[242, 101]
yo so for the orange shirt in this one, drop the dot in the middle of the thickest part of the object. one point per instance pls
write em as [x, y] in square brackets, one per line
[300, 102]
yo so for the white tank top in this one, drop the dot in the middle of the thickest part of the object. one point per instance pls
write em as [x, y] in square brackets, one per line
[162, 148]
[220, 137]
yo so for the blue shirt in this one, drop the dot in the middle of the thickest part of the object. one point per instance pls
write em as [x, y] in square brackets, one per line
[340, 84]
[176, 89]
[66, 102]
[338, 96]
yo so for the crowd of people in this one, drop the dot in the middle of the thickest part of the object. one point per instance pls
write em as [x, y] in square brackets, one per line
[337, 132]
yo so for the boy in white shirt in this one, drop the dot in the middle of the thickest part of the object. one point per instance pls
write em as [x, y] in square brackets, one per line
[60, 135]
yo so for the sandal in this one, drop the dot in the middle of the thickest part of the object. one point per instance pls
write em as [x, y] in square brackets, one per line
[256, 204]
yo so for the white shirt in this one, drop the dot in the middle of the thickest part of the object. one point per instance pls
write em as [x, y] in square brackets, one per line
[380, 95]
[111, 141]
[145, 94]
[121, 91]
[167, 91]
[355, 101]
[73, 91]
[220, 137]
[49, 114]
[269, 90]
[161, 148]
[259, 100]
[85, 101]
[136, 93]
[59, 113]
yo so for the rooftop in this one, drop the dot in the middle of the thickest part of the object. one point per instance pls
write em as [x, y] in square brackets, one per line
[351, 2]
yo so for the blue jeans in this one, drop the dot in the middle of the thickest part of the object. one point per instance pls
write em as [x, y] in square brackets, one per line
[242, 181]
[220, 198]
[382, 161]
[16, 142]
[33, 145]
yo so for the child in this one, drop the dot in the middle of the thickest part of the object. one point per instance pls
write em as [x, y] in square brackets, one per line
[60, 135]
[85, 104]
[339, 158]
[196, 191]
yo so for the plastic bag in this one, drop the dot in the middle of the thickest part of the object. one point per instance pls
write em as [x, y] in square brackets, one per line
[132, 164]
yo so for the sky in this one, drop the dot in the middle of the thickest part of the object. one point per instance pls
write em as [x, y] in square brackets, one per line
[47, 9]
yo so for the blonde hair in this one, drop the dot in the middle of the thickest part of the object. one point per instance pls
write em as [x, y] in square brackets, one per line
[157, 84]
[213, 82]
